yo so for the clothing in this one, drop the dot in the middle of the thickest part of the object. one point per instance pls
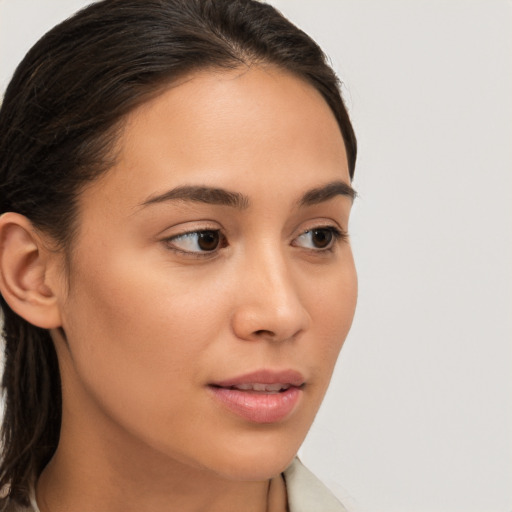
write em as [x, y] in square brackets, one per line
[305, 493]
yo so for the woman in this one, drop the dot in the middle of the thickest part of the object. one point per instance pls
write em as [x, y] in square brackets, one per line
[175, 269]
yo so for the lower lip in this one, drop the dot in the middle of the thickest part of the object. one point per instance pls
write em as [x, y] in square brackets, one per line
[259, 407]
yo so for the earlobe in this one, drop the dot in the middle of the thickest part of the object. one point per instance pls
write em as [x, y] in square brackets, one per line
[23, 272]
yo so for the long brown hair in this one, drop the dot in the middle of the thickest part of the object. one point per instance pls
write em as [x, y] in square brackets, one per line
[58, 124]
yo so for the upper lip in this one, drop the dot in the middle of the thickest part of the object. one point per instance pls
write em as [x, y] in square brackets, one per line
[287, 377]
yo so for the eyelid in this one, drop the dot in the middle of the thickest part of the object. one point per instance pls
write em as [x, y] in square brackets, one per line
[324, 225]
[182, 228]
[168, 241]
[338, 233]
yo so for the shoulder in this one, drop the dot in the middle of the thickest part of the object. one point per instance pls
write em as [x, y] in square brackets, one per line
[306, 493]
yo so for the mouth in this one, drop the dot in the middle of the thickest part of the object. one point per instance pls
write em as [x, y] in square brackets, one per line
[260, 397]
[259, 387]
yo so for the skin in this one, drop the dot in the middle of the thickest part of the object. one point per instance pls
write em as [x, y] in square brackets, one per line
[146, 323]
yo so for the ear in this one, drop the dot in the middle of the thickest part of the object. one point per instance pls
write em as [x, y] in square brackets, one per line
[24, 272]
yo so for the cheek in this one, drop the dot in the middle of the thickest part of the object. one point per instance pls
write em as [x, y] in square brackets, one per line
[333, 297]
[137, 336]
[139, 305]
[332, 304]
[140, 346]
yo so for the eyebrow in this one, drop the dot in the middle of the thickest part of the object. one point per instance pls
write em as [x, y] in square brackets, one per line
[222, 197]
[326, 192]
[201, 194]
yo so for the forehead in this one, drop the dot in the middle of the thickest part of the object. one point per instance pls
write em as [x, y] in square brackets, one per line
[240, 129]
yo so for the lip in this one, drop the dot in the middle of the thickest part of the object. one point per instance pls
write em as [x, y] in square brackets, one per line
[260, 406]
[292, 377]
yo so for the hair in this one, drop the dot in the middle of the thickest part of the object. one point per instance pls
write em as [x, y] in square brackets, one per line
[59, 122]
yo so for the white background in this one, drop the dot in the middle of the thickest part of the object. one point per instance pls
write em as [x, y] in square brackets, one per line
[419, 415]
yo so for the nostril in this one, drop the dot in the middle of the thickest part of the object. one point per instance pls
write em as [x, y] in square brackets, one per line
[263, 332]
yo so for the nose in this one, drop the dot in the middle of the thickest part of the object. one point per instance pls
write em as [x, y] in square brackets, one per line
[268, 303]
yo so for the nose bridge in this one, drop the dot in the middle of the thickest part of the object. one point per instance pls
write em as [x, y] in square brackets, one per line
[269, 300]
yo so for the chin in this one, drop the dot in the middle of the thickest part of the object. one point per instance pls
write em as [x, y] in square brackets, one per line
[261, 459]
[254, 468]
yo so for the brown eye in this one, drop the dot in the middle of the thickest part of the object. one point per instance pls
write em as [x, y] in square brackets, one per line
[208, 240]
[197, 242]
[321, 238]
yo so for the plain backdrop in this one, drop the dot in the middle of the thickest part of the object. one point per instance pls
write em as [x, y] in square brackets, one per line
[419, 414]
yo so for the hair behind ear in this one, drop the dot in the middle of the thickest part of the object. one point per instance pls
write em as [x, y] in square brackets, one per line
[31, 380]
[32, 412]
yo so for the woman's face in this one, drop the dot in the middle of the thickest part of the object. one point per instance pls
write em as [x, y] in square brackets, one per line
[211, 283]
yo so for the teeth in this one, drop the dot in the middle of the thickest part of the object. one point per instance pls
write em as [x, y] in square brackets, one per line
[244, 387]
[270, 388]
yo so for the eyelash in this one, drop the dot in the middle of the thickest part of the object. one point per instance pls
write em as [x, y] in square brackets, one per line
[337, 236]
[196, 254]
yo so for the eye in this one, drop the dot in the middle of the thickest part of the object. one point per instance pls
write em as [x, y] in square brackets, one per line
[197, 242]
[322, 238]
